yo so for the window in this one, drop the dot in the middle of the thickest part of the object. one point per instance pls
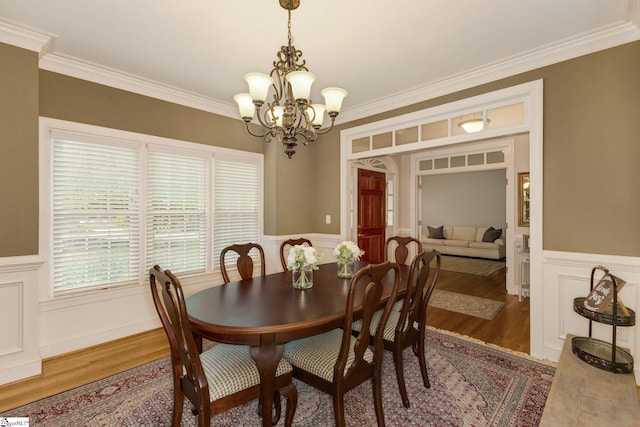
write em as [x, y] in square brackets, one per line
[121, 202]
[176, 217]
[237, 204]
[96, 214]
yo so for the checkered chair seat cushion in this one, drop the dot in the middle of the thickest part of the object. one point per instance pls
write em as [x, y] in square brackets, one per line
[398, 305]
[230, 369]
[318, 354]
[389, 329]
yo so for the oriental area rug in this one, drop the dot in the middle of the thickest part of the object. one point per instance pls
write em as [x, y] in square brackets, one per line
[477, 266]
[483, 308]
[472, 384]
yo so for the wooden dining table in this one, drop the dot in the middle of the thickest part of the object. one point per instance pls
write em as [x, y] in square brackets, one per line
[266, 312]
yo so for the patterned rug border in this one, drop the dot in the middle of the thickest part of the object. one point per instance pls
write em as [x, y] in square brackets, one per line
[456, 268]
[446, 300]
[493, 346]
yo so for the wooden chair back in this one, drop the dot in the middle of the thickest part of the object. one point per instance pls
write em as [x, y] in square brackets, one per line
[418, 291]
[366, 291]
[244, 262]
[411, 323]
[401, 252]
[284, 249]
[189, 376]
[188, 373]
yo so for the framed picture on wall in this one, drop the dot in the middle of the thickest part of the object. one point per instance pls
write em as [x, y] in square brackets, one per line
[523, 199]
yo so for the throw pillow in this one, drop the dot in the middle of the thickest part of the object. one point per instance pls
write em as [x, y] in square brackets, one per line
[491, 234]
[436, 232]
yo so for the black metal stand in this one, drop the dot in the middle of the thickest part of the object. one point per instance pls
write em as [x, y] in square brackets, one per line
[598, 353]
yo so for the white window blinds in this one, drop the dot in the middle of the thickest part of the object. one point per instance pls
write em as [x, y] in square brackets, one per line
[176, 227]
[237, 189]
[120, 202]
[96, 213]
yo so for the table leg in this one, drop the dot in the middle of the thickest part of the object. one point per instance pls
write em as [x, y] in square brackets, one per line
[267, 356]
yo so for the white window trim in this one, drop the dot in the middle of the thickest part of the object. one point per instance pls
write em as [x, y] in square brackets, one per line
[532, 95]
[47, 125]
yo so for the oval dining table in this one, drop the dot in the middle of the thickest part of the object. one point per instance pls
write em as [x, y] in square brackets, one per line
[266, 312]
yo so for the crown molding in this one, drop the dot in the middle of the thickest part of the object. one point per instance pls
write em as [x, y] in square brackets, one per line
[547, 55]
[109, 77]
[527, 61]
[24, 38]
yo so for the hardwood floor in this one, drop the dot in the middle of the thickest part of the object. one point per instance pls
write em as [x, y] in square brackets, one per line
[509, 329]
[81, 367]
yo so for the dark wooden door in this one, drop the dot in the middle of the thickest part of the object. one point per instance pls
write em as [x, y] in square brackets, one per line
[371, 214]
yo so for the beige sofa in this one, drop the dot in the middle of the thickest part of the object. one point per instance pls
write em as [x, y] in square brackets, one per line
[465, 241]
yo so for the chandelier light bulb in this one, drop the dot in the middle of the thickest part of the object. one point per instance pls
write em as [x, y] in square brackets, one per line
[259, 84]
[301, 82]
[245, 105]
[276, 115]
[333, 97]
[315, 112]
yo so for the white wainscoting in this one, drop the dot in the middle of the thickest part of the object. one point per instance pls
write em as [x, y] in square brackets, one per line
[35, 327]
[19, 354]
[324, 244]
[566, 276]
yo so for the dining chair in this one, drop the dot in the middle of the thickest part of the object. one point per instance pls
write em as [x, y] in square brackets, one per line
[335, 362]
[218, 379]
[401, 252]
[244, 263]
[284, 249]
[407, 327]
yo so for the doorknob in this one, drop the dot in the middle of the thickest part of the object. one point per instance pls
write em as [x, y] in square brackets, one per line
[361, 235]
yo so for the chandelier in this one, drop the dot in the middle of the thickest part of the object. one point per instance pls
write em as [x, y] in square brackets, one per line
[291, 117]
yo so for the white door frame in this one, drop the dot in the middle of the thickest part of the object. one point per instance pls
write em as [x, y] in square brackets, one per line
[532, 95]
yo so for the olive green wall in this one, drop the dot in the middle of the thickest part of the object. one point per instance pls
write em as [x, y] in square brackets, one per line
[18, 151]
[591, 143]
[591, 199]
[68, 98]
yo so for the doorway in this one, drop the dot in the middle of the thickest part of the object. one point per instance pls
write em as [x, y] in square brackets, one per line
[436, 127]
[371, 214]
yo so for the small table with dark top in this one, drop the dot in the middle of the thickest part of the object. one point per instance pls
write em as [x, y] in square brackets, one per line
[266, 312]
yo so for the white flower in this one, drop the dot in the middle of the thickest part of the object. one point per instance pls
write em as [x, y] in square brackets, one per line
[302, 256]
[347, 251]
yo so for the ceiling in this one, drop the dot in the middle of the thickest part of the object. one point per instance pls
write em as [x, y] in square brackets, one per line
[386, 53]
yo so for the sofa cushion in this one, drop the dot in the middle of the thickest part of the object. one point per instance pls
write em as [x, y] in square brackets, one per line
[485, 245]
[457, 243]
[464, 233]
[491, 234]
[435, 232]
[433, 242]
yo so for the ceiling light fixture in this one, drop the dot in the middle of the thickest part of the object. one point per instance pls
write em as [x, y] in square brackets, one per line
[472, 125]
[291, 117]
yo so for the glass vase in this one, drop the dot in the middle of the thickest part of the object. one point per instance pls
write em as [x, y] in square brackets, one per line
[302, 278]
[345, 269]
